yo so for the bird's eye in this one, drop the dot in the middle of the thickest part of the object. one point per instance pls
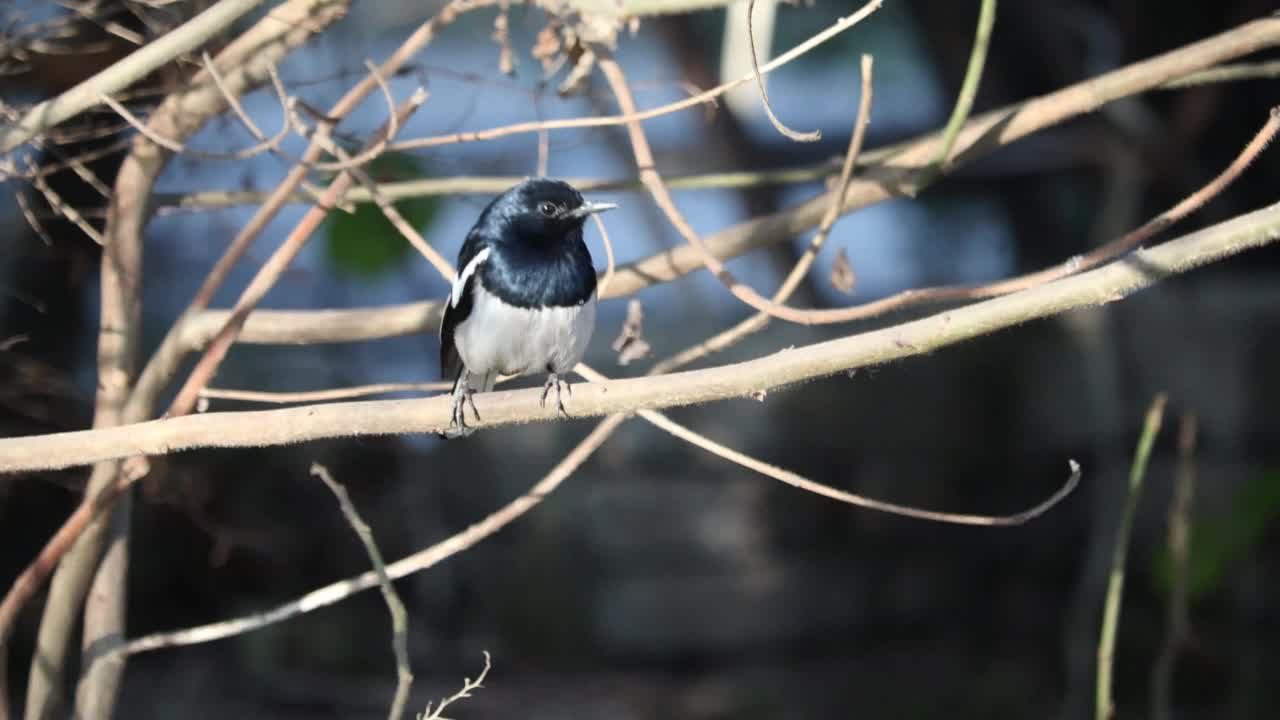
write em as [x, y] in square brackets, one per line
[547, 208]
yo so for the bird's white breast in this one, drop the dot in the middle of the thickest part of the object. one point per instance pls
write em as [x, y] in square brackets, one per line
[497, 337]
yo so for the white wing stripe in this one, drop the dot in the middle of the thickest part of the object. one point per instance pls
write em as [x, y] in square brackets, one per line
[460, 282]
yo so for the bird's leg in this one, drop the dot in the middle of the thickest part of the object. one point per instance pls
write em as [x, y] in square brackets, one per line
[471, 400]
[463, 394]
[554, 381]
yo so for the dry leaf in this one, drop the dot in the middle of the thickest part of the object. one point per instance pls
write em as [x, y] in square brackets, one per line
[631, 344]
[842, 277]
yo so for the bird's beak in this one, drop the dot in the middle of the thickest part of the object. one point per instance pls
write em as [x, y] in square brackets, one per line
[591, 208]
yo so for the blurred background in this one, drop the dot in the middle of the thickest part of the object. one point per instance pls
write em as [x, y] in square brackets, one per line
[660, 581]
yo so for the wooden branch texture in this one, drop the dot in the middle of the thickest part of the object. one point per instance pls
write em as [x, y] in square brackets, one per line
[312, 422]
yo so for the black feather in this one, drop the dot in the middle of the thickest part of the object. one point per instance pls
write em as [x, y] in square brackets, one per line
[450, 360]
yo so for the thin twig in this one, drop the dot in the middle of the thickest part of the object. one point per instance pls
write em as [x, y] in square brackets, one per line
[179, 148]
[753, 324]
[610, 267]
[71, 214]
[1227, 73]
[371, 150]
[492, 185]
[311, 396]
[1104, 707]
[471, 185]
[812, 136]
[393, 215]
[1099, 256]
[468, 686]
[544, 153]
[269, 143]
[421, 560]
[271, 270]
[817, 488]
[399, 618]
[701, 441]
[968, 92]
[702, 98]
[1177, 624]
[32, 218]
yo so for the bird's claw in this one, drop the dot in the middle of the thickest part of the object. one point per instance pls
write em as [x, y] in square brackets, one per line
[461, 399]
[554, 381]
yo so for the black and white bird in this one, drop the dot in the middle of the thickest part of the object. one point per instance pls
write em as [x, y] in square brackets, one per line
[524, 301]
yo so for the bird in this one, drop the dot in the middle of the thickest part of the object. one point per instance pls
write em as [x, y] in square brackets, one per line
[524, 299]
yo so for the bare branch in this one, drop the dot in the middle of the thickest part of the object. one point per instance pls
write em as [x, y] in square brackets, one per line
[1102, 285]
[609, 268]
[1177, 622]
[310, 396]
[702, 98]
[1105, 253]
[1228, 73]
[399, 618]
[270, 271]
[494, 184]
[177, 147]
[421, 560]
[757, 322]
[1104, 709]
[778, 125]
[968, 92]
[817, 488]
[141, 62]
[468, 686]
[65, 210]
[797, 481]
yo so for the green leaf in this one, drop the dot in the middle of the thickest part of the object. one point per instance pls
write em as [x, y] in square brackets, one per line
[1218, 543]
[364, 243]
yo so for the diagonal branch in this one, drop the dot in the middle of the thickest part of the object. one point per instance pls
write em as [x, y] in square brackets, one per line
[421, 560]
[968, 92]
[164, 363]
[399, 618]
[1109, 283]
[757, 322]
[270, 271]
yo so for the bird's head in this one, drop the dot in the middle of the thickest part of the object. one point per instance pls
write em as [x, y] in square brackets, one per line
[542, 212]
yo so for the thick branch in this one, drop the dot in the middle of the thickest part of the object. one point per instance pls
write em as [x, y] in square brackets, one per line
[275, 427]
[140, 63]
[244, 63]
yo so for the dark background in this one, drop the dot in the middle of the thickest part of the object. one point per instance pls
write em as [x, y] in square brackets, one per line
[660, 581]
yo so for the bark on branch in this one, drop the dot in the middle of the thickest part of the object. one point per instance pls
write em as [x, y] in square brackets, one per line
[739, 380]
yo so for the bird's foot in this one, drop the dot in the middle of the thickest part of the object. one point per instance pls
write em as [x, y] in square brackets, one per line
[461, 398]
[554, 381]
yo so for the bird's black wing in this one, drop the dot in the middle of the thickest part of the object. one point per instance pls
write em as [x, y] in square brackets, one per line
[456, 309]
